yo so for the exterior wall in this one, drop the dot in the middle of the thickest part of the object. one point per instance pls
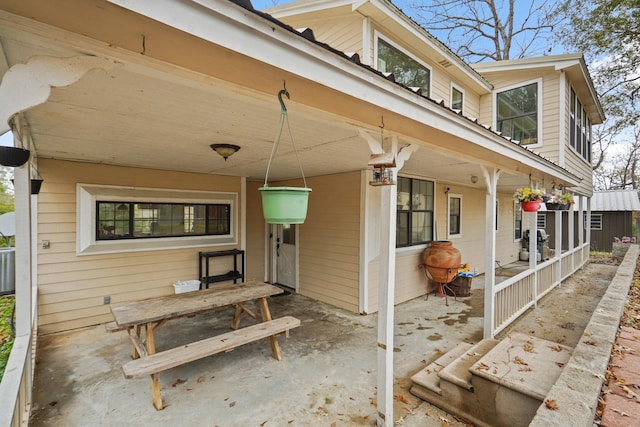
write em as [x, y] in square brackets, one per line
[255, 232]
[410, 278]
[507, 246]
[329, 241]
[72, 287]
[554, 139]
[614, 224]
[343, 33]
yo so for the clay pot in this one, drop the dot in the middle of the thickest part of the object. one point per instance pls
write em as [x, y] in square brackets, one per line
[442, 261]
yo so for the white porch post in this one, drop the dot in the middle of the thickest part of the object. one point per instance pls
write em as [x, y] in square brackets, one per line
[22, 185]
[581, 209]
[587, 222]
[558, 246]
[570, 236]
[386, 292]
[491, 178]
[533, 251]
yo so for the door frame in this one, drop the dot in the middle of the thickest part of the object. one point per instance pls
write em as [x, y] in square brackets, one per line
[273, 258]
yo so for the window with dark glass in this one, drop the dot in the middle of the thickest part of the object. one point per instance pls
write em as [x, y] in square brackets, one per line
[517, 113]
[455, 203]
[415, 209]
[405, 69]
[135, 220]
[456, 99]
[572, 119]
[517, 220]
[579, 128]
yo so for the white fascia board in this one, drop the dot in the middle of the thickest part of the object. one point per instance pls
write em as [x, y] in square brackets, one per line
[237, 29]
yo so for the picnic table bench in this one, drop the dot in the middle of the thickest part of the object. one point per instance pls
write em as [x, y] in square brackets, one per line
[150, 314]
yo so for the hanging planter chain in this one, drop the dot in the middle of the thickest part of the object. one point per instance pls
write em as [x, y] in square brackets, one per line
[284, 117]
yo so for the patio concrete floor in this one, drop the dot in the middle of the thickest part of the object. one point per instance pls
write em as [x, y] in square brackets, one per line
[327, 376]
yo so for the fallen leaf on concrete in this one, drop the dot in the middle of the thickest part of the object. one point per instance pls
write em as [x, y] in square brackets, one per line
[178, 381]
[232, 404]
[560, 364]
[589, 342]
[551, 404]
[200, 379]
[630, 393]
[483, 366]
[528, 347]
[518, 361]
[400, 420]
[560, 340]
[599, 376]
[322, 412]
[264, 423]
[555, 347]
[437, 351]
[622, 413]
[525, 369]
[401, 398]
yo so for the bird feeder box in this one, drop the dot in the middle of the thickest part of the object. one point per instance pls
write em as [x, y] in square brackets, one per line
[383, 165]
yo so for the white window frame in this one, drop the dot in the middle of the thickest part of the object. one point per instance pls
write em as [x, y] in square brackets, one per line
[459, 89]
[593, 217]
[517, 209]
[378, 35]
[449, 197]
[539, 106]
[88, 194]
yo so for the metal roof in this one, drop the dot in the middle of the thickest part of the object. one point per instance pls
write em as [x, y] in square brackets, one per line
[615, 200]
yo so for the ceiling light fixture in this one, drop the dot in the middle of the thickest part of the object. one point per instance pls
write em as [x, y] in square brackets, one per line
[225, 150]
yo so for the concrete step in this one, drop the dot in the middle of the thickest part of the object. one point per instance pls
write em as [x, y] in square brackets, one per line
[428, 377]
[458, 371]
[525, 364]
[485, 382]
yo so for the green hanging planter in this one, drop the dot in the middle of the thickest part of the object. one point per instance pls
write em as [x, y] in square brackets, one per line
[284, 205]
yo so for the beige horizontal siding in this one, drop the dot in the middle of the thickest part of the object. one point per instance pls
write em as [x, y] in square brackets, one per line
[330, 240]
[71, 287]
[255, 251]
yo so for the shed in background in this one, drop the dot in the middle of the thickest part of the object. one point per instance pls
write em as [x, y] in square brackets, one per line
[613, 215]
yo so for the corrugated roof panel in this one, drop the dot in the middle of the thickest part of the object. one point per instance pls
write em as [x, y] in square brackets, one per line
[615, 200]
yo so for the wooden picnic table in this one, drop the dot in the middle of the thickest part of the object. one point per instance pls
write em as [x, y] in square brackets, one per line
[150, 314]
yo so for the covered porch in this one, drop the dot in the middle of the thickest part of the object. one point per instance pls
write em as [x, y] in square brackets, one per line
[139, 110]
[328, 371]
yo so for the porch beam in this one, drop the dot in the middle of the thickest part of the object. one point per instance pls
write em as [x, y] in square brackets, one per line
[491, 176]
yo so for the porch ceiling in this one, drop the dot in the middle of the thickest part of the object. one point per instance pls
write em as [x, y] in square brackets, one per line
[148, 114]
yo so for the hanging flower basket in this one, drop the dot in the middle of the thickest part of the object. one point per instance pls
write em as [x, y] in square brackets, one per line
[554, 206]
[284, 205]
[530, 206]
[13, 156]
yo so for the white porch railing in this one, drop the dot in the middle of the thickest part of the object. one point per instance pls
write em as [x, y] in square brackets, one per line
[517, 294]
[17, 383]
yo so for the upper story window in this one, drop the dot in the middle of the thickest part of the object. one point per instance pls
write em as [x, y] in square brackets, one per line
[579, 128]
[457, 98]
[517, 113]
[406, 70]
[415, 212]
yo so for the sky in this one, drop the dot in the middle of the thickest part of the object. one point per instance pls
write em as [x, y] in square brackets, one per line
[7, 139]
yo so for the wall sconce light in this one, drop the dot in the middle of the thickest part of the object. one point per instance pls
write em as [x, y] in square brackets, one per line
[383, 165]
[225, 150]
[474, 179]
